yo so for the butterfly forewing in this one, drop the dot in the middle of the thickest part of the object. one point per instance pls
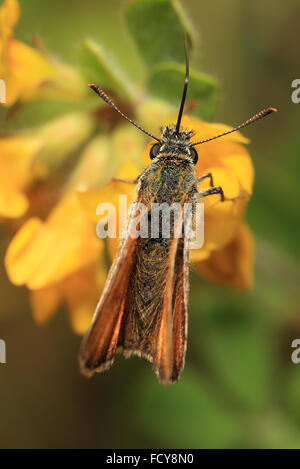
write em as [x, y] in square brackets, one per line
[143, 308]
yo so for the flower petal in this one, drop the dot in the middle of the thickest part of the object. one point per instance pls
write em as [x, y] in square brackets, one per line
[126, 147]
[82, 291]
[11, 86]
[29, 68]
[13, 203]
[63, 244]
[9, 14]
[44, 302]
[233, 264]
[109, 193]
[96, 167]
[221, 219]
[15, 252]
[16, 156]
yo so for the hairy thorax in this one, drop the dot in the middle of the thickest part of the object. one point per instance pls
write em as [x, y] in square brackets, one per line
[169, 179]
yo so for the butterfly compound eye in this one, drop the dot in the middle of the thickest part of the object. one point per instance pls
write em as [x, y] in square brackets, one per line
[154, 150]
[194, 155]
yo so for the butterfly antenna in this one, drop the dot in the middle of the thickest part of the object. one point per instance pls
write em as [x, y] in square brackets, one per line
[185, 87]
[105, 98]
[255, 118]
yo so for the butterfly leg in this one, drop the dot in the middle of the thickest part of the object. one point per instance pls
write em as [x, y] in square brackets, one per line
[126, 181]
[213, 190]
[206, 176]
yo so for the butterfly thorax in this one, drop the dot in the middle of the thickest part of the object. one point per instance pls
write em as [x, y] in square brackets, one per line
[175, 143]
[170, 178]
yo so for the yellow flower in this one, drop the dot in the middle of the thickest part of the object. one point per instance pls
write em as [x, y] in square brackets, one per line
[61, 259]
[16, 155]
[58, 257]
[226, 241]
[9, 15]
[231, 265]
[30, 155]
[127, 146]
[29, 73]
[110, 193]
[79, 292]
[54, 257]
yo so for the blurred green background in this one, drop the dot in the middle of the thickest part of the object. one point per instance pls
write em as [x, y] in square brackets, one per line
[239, 387]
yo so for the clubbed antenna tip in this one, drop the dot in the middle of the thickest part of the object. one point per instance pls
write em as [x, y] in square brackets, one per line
[258, 116]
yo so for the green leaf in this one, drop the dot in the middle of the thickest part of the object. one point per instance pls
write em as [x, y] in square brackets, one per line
[239, 351]
[166, 82]
[39, 112]
[184, 415]
[99, 67]
[158, 28]
[291, 388]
